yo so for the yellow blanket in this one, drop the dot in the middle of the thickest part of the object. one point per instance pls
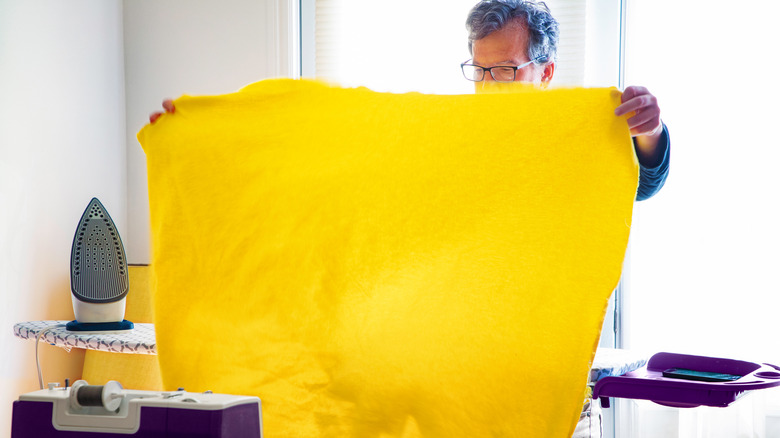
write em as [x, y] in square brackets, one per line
[374, 264]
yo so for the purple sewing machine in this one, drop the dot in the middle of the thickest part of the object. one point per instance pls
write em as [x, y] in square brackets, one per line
[109, 411]
[686, 381]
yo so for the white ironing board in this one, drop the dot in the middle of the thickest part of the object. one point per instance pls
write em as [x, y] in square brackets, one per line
[138, 340]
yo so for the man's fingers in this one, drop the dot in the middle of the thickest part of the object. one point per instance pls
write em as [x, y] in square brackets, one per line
[636, 104]
[168, 106]
[628, 106]
[628, 99]
[633, 91]
[642, 117]
[645, 116]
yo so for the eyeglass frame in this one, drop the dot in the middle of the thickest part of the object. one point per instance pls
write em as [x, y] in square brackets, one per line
[490, 69]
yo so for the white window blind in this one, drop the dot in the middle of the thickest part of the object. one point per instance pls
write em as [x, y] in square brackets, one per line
[413, 45]
[570, 68]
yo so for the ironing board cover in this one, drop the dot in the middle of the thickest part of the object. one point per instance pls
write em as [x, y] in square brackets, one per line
[139, 340]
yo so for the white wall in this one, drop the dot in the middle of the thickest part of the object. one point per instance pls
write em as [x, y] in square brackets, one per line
[65, 71]
[177, 47]
[62, 141]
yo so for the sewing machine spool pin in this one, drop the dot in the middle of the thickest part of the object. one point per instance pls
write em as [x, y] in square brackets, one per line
[109, 396]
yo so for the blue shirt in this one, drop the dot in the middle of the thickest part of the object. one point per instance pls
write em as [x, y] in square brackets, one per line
[651, 179]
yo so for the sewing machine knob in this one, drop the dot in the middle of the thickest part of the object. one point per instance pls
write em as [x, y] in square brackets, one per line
[54, 385]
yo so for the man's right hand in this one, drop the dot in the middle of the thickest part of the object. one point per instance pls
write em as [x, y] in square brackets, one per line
[167, 106]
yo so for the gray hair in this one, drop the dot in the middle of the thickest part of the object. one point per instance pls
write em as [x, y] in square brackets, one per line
[488, 16]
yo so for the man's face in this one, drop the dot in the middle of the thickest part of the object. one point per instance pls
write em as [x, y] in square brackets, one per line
[509, 46]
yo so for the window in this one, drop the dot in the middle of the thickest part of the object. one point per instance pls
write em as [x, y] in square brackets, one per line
[704, 251]
[408, 45]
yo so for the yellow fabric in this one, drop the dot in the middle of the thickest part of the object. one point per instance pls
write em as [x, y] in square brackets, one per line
[384, 265]
[140, 306]
[134, 371]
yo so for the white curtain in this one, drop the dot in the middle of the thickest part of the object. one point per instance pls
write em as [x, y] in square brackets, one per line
[704, 257]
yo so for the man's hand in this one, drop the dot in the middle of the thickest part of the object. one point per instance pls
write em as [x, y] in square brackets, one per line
[645, 123]
[167, 106]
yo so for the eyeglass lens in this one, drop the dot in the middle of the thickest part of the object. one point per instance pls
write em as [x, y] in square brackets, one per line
[501, 74]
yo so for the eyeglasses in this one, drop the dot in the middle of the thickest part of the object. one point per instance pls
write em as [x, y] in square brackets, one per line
[500, 73]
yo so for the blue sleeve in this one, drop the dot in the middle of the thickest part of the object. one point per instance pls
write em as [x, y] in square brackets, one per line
[652, 179]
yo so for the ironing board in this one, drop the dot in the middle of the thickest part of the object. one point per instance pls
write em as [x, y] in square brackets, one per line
[139, 340]
[608, 362]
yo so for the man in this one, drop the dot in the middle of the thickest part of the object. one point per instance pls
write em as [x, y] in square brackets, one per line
[516, 40]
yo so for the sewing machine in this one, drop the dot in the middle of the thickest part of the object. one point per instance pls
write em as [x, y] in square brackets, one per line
[85, 410]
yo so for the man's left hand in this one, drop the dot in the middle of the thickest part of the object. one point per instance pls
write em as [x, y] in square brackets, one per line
[647, 115]
[645, 123]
